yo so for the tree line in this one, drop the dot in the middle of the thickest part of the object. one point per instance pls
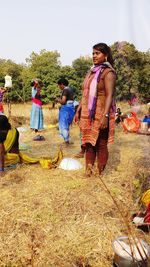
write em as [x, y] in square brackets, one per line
[132, 68]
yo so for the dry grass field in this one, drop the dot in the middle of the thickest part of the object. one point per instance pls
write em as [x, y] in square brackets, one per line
[57, 218]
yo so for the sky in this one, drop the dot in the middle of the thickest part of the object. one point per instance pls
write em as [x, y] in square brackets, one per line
[71, 27]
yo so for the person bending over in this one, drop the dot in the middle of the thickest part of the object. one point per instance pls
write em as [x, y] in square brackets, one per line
[9, 140]
[67, 110]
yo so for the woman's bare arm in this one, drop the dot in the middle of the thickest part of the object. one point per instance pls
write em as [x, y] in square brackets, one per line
[110, 82]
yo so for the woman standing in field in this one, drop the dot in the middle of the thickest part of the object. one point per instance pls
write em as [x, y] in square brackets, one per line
[36, 119]
[97, 108]
[67, 110]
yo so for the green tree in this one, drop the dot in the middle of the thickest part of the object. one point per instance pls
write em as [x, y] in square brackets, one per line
[46, 67]
[81, 66]
[144, 74]
[128, 63]
[131, 65]
[14, 70]
[27, 76]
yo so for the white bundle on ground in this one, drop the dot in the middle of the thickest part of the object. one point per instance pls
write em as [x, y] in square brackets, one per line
[70, 164]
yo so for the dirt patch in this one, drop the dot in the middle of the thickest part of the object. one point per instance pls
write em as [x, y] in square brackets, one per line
[19, 121]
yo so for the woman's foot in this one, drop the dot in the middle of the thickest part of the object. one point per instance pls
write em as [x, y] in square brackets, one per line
[67, 143]
[101, 169]
[89, 170]
[38, 138]
[80, 154]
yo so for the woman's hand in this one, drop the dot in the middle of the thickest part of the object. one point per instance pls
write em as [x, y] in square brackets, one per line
[104, 122]
[78, 113]
[57, 100]
[76, 118]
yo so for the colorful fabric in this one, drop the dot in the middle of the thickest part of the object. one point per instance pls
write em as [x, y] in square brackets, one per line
[1, 108]
[1, 100]
[12, 158]
[66, 114]
[131, 124]
[90, 129]
[1, 96]
[46, 163]
[147, 215]
[10, 139]
[146, 119]
[36, 118]
[146, 198]
[93, 88]
[100, 150]
[37, 101]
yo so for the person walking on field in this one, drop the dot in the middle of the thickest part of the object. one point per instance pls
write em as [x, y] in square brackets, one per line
[97, 121]
[67, 110]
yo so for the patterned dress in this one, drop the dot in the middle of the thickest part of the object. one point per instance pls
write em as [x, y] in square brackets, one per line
[90, 129]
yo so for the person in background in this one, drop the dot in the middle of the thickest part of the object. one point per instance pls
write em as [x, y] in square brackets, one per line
[2, 91]
[10, 136]
[147, 118]
[118, 116]
[98, 108]
[36, 118]
[67, 110]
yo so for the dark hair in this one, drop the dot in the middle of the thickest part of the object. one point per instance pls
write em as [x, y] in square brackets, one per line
[106, 50]
[32, 83]
[63, 81]
[35, 82]
[4, 123]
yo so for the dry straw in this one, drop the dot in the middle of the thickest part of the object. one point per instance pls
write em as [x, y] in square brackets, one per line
[57, 218]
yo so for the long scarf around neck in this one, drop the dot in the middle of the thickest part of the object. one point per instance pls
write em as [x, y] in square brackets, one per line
[92, 99]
